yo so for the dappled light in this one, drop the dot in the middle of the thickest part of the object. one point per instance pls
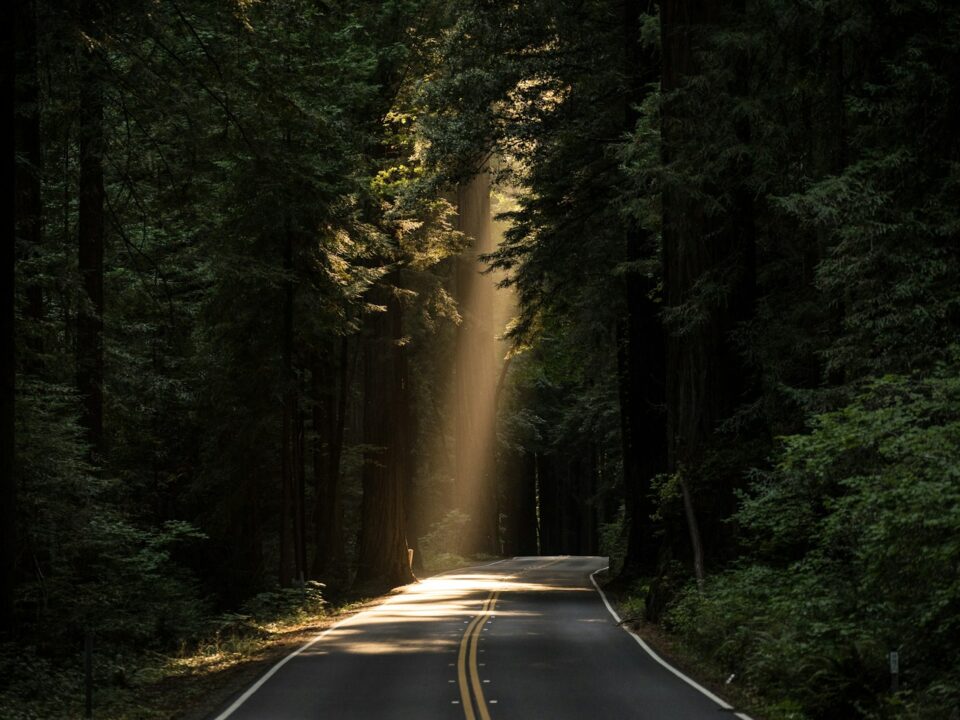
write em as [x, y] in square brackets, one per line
[441, 606]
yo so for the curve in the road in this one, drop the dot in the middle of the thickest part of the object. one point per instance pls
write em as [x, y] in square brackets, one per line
[521, 639]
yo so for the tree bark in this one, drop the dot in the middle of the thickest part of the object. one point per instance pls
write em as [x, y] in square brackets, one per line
[243, 569]
[526, 520]
[641, 346]
[329, 422]
[693, 527]
[707, 377]
[28, 175]
[383, 560]
[91, 240]
[548, 482]
[406, 434]
[300, 521]
[288, 512]
[27, 212]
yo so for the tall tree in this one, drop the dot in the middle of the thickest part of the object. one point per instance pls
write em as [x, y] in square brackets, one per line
[27, 212]
[329, 424]
[91, 227]
[383, 554]
[641, 347]
[708, 259]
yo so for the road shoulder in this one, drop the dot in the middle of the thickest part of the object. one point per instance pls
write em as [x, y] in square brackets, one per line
[697, 670]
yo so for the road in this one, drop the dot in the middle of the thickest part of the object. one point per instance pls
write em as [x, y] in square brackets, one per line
[523, 639]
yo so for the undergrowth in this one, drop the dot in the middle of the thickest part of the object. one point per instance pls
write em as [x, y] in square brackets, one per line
[150, 684]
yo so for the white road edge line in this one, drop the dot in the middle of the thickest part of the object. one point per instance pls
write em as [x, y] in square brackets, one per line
[273, 671]
[647, 649]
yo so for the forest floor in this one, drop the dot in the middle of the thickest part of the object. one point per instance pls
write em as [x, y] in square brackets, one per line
[193, 684]
[691, 663]
[197, 694]
[196, 687]
[197, 683]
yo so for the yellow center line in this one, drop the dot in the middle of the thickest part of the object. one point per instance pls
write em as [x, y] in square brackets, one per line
[474, 672]
[467, 657]
[467, 662]
[462, 662]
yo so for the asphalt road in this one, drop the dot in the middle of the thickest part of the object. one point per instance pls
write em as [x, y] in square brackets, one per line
[522, 639]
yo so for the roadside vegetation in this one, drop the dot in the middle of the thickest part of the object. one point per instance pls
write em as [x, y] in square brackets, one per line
[850, 539]
[301, 287]
[190, 679]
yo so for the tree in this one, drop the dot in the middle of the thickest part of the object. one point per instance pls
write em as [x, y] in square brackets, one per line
[708, 271]
[91, 228]
[641, 351]
[383, 556]
[27, 211]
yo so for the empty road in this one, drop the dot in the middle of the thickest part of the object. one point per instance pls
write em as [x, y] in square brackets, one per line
[522, 639]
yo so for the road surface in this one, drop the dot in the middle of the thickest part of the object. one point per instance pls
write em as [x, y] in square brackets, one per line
[524, 639]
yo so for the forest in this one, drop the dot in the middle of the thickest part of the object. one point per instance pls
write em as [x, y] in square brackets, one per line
[300, 287]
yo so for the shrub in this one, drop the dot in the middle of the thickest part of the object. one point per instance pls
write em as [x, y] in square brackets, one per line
[856, 550]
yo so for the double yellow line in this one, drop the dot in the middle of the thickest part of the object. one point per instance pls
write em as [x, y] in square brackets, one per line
[467, 662]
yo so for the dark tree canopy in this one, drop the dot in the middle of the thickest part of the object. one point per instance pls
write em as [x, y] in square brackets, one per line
[306, 298]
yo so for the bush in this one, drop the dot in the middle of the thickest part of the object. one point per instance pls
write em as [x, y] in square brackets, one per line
[613, 540]
[92, 568]
[856, 538]
[300, 601]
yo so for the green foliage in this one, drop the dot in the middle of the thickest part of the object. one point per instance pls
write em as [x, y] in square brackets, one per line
[94, 570]
[302, 601]
[613, 540]
[634, 606]
[855, 545]
[268, 164]
[445, 535]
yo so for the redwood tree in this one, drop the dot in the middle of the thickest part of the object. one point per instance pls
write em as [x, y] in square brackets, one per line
[90, 230]
[383, 557]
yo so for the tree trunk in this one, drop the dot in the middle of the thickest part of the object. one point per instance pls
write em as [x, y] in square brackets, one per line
[693, 527]
[588, 542]
[406, 434]
[8, 483]
[707, 377]
[300, 521]
[641, 349]
[243, 570]
[28, 177]
[91, 240]
[548, 494]
[641, 377]
[383, 560]
[288, 512]
[526, 520]
[27, 211]
[329, 422]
